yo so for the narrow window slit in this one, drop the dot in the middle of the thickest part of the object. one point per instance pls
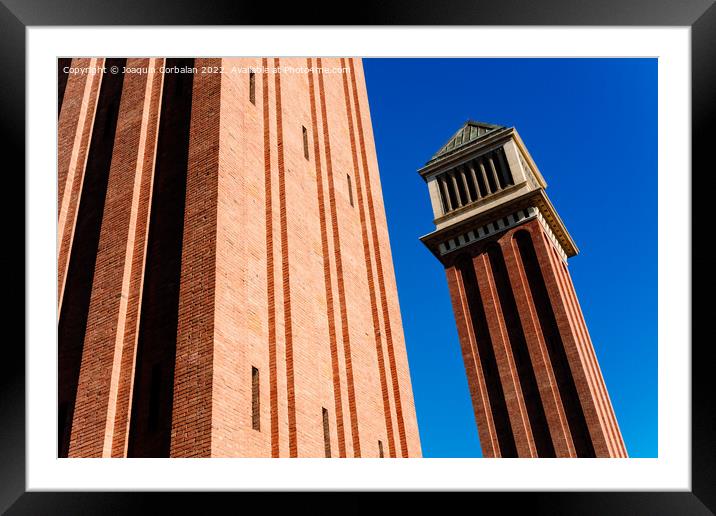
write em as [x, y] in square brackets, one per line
[350, 188]
[461, 187]
[469, 185]
[255, 400]
[492, 174]
[460, 196]
[475, 181]
[451, 192]
[305, 142]
[487, 176]
[326, 433]
[252, 87]
[504, 169]
[444, 194]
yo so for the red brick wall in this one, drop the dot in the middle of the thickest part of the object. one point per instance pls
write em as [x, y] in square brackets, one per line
[96, 393]
[278, 271]
[74, 129]
[192, 414]
[134, 270]
[552, 327]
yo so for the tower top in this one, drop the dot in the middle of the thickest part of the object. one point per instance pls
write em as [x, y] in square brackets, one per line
[469, 132]
[482, 181]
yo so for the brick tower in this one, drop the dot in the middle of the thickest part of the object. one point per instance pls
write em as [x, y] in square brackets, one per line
[225, 282]
[536, 386]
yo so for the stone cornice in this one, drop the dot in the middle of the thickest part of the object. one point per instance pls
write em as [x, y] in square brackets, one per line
[536, 199]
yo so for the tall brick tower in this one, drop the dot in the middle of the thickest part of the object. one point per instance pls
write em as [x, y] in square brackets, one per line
[535, 383]
[225, 282]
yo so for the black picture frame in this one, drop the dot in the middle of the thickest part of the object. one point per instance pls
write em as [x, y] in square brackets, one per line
[17, 15]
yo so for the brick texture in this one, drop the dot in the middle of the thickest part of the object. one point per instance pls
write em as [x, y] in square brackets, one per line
[578, 416]
[134, 268]
[74, 130]
[473, 365]
[194, 368]
[93, 419]
[279, 271]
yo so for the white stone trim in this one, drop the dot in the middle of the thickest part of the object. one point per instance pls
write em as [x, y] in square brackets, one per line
[552, 237]
[498, 226]
[489, 229]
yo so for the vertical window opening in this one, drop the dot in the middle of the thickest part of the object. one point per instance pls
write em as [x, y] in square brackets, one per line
[451, 192]
[481, 178]
[326, 433]
[488, 163]
[444, 195]
[503, 168]
[350, 188]
[380, 449]
[471, 186]
[252, 87]
[460, 187]
[305, 142]
[255, 400]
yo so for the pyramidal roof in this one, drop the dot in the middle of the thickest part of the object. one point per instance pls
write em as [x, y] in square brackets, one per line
[469, 132]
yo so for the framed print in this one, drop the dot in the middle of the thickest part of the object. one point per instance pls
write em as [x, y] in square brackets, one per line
[435, 244]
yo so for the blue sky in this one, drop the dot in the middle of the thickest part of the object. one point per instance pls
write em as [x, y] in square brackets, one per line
[591, 126]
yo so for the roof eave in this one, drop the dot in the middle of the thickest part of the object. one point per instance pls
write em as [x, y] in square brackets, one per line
[461, 151]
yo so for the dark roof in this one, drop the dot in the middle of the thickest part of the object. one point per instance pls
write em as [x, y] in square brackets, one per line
[468, 133]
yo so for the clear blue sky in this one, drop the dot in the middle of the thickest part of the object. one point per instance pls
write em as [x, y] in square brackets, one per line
[591, 126]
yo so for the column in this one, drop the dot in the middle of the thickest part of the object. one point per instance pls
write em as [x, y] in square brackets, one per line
[464, 182]
[505, 362]
[74, 129]
[473, 366]
[549, 394]
[95, 404]
[192, 410]
[586, 402]
[128, 326]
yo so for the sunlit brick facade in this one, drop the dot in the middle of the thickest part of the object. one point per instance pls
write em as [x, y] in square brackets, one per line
[225, 280]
